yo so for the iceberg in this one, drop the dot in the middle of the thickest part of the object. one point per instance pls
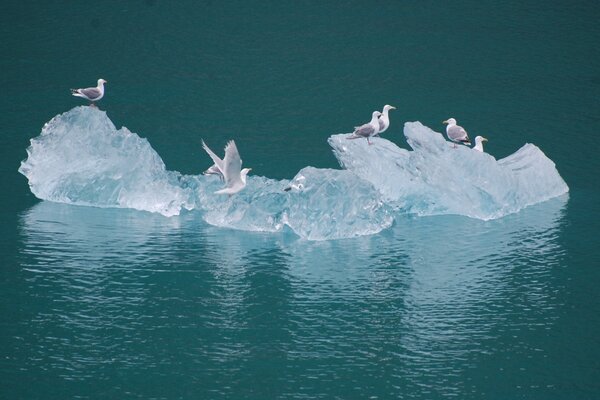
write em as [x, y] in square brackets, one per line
[81, 158]
[321, 204]
[438, 178]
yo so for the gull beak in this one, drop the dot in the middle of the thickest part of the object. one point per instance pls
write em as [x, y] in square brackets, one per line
[392, 107]
[484, 139]
[444, 122]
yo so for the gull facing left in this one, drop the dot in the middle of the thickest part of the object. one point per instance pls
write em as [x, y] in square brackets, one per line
[367, 130]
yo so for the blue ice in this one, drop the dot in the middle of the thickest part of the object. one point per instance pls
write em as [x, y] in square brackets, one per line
[81, 158]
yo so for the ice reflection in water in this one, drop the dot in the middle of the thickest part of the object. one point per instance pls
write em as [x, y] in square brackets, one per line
[410, 310]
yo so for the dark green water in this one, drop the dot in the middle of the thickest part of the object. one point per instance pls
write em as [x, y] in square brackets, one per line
[103, 303]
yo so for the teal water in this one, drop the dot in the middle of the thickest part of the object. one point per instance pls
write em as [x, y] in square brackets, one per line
[117, 303]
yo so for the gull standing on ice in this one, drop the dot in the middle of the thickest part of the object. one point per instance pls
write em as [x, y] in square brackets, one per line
[456, 133]
[367, 130]
[92, 94]
[479, 143]
[230, 168]
[384, 119]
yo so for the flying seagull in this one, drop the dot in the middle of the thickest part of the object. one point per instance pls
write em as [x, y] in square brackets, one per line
[92, 94]
[230, 167]
[367, 130]
[456, 133]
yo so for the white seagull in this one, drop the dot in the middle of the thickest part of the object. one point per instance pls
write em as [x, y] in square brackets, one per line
[479, 143]
[92, 94]
[367, 130]
[456, 133]
[384, 119]
[230, 168]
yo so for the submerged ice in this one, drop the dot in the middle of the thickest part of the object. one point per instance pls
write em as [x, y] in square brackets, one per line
[81, 158]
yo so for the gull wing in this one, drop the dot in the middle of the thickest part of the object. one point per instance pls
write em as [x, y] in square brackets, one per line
[365, 130]
[214, 170]
[91, 93]
[457, 133]
[232, 165]
[218, 162]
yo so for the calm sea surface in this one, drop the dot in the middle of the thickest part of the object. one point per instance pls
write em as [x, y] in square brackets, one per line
[116, 303]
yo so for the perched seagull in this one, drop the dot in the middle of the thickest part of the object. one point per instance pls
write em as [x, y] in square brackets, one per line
[367, 130]
[92, 94]
[384, 119]
[479, 143]
[230, 168]
[456, 133]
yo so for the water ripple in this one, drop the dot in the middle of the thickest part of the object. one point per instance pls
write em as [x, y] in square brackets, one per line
[410, 310]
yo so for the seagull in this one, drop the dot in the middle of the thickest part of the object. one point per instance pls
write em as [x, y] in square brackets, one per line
[479, 143]
[384, 119]
[367, 130]
[214, 170]
[92, 94]
[230, 168]
[456, 133]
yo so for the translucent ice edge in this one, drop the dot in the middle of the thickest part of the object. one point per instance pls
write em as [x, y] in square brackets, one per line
[81, 158]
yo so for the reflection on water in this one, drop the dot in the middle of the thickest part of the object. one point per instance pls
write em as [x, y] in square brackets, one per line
[193, 310]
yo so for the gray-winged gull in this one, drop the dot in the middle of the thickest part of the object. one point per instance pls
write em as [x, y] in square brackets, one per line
[456, 133]
[230, 167]
[92, 94]
[367, 130]
[479, 143]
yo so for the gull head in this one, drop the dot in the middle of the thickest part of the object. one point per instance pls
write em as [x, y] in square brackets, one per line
[479, 139]
[376, 114]
[243, 173]
[449, 121]
[388, 107]
[101, 82]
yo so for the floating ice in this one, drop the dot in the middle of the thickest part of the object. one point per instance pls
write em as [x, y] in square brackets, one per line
[438, 178]
[81, 158]
[323, 204]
